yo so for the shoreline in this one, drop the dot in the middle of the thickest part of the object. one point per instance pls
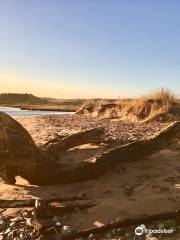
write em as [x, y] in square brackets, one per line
[50, 108]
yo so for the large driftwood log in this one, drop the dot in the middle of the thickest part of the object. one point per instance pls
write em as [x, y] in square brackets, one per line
[19, 156]
[139, 149]
[100, 164]
[60, 144]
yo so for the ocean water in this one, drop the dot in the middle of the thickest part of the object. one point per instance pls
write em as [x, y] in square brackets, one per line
[18, 112]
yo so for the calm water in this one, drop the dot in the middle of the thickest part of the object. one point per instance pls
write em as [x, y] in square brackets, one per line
[19, 112]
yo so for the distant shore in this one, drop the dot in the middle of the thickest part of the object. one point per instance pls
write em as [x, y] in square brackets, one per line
[53, 109]
[43, 107]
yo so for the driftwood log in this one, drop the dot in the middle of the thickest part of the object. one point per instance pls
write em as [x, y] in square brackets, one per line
[31, 202]
[43, 209]
[57, 145]
[19, 156]
[58, 211]
[128, 222]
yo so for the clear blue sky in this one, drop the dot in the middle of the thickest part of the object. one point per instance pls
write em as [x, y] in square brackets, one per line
[89, 48]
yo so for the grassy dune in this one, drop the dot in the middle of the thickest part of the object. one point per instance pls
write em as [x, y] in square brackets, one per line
[158, 103]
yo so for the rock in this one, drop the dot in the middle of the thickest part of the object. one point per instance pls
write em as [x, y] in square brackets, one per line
[17, 228]
[91, 237]
[7, 231]
[128, 190]
[66, 231]
[12, 224]
[29, 221]
[58, 224]
[1, 222]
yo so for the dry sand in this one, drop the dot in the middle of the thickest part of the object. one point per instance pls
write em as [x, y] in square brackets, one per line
[154, 182]
[44, 128]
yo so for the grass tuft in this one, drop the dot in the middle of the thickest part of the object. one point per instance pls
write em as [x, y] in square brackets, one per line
[165, 95]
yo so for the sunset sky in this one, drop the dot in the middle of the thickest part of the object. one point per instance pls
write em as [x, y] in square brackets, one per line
[89, 48]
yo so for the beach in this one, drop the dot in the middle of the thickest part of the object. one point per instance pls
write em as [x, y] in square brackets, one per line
[44, 128]
[132, 189]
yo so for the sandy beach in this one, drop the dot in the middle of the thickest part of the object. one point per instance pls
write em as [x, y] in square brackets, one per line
[130, 190]
[89, 120]
[44, 128]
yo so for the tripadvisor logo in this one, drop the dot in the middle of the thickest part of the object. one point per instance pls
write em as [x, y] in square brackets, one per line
[140, 230]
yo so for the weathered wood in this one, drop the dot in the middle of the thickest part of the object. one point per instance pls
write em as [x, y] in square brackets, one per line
[59, 144]
[100, 164]
[127, 223]
[57, 173]
[43, 212]
[70, 208]
[19, 156]
[31, 202]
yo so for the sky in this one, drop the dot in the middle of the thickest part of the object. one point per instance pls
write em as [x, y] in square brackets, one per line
[89, 48]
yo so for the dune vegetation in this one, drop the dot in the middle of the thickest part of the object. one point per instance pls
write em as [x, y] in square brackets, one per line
[155, 104]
